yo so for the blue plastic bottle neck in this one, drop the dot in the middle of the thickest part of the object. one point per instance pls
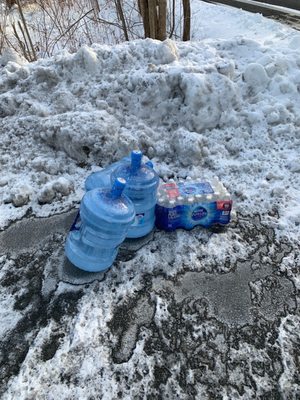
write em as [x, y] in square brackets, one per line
[118, 187]
[136, 160]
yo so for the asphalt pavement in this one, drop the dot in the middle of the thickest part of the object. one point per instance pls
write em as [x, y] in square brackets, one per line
[241, 308]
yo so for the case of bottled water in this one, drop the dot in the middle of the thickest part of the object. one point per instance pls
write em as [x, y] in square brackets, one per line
[188, 203]
[141, 188]
[100, 227]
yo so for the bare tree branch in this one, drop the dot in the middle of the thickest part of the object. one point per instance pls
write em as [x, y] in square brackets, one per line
[71, 26]
[26, 30]
[172, 19]
[120, 13]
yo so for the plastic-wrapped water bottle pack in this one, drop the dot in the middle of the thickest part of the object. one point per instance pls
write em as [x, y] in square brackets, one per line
[188, 203]
[125, 200]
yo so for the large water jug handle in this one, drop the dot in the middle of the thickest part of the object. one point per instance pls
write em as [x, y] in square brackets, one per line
[149, 164]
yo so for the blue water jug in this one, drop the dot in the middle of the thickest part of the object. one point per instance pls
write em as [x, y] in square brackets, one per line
[101, 226]
[102, 179]
[141, 187]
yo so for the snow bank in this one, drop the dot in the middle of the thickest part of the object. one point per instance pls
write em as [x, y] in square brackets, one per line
[225, 107]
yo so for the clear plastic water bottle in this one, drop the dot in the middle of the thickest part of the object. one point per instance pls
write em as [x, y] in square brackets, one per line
[101, 226]
[141, 188]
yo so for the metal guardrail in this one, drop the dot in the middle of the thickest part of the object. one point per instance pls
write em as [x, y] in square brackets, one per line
[257, 6]
[293, 4]
[288, 16]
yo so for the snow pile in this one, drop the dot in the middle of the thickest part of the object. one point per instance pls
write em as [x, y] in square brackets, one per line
[216, 107]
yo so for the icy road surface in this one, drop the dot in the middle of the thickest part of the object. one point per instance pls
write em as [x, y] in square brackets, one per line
[194, 333]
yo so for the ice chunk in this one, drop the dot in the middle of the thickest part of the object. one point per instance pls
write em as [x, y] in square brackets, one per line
[63, 186]
[21, 196]
[256, 77]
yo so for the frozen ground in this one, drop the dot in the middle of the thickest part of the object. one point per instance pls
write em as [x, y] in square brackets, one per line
[201, 314]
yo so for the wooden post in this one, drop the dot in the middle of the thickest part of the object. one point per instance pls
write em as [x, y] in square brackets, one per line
[162, 19]
[186, 20]
[144, 11]
[152, 18]
[154, 15]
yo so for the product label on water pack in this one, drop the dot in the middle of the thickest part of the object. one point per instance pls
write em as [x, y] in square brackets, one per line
[189, 216]
[168, 218]
[199, 213]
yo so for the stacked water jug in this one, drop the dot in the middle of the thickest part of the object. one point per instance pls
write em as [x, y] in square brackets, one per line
[119, 203]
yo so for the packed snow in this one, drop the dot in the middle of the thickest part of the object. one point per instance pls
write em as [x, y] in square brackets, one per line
[217, 106]
[227, 104]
